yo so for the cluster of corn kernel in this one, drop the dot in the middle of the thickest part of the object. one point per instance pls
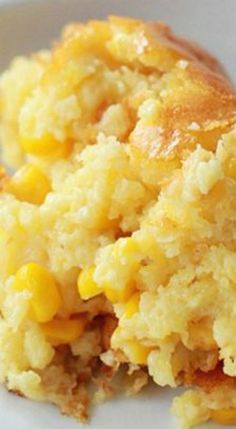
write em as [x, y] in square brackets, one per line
[126, 294]
[88, 288]
[44, 303]
[30, 184]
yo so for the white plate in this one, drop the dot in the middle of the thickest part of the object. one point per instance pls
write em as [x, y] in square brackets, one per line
[26, 26]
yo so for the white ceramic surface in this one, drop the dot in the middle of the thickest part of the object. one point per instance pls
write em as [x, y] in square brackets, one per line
[26, 26]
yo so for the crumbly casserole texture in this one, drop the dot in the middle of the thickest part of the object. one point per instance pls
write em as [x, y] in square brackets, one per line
[118, 227]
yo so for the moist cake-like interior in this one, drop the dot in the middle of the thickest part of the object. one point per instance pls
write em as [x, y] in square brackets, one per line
[118, 228]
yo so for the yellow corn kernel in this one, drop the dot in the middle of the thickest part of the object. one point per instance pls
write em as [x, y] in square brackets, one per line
[63, 331]
[136, 352]
[132, 306]
[29, 184]
[46, 145]
[86, 285]
[225, 416]
[115, 295]
[126, 248]
[45, 299]
[125, 254]
[231, 168]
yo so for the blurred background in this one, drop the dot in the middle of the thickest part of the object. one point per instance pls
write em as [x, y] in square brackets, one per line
[29, 25]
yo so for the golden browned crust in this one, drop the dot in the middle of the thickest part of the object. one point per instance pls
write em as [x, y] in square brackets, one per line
[196, 97]
[208, 381]
[154, 44]
[196, 106]
[187, 48]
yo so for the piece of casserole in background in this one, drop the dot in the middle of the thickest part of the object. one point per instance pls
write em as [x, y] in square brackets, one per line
[118, 228]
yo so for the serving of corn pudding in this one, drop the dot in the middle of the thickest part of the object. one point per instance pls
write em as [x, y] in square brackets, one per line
[118, 225]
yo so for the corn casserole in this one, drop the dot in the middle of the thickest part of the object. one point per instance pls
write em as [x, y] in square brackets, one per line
[118, 225]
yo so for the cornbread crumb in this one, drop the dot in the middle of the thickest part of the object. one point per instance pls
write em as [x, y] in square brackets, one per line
[183, 64]
[190, 409]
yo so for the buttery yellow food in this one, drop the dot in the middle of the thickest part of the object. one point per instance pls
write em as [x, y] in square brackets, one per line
[118, 227]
